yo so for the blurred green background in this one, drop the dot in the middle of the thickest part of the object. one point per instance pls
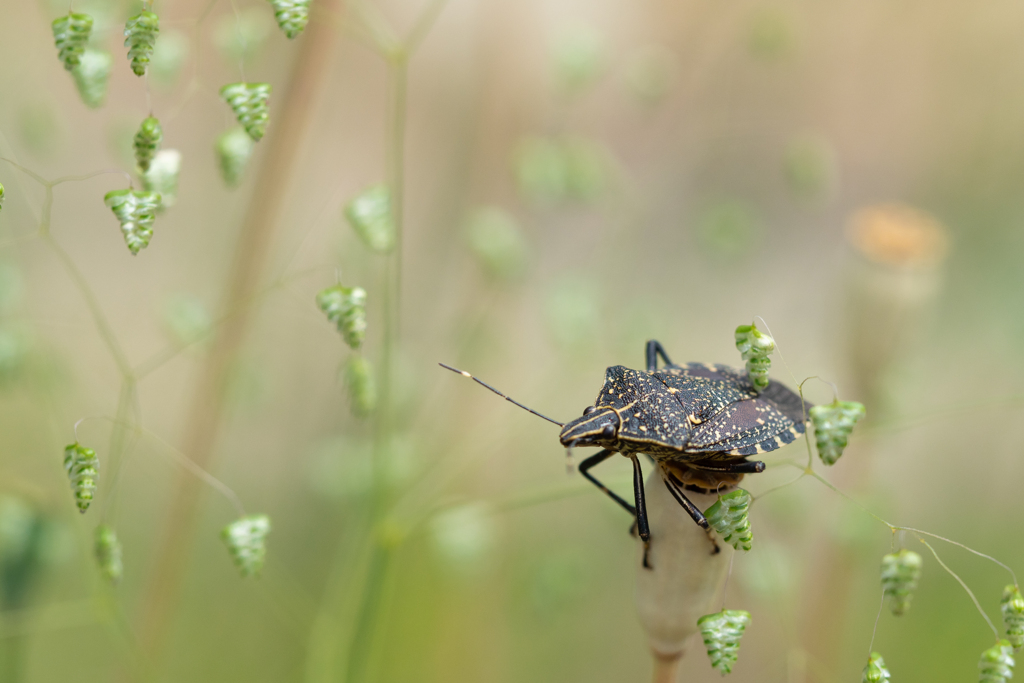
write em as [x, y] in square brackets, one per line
[580, 177]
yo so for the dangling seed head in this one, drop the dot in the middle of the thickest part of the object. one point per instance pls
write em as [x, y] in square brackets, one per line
[249, 101]
[370, 215]
[91, 76]
[291, 15]
[246, 540]
[362, 388]
[233, 151]
[875, 671]
[900, 573]
[755, 347]
[140, 34]
[136, 211]
[71, 34]
[108, 554]
[147, 141]
[1012, 607]
[996, 665]
[83, 468]
[722, 632]
[346, 308]
[832, 426]
[728, 516]
[162, 176]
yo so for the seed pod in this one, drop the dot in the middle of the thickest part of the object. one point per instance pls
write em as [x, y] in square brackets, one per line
[233, 151]
[83, 468]
[900, 572]
[722, 632]
[249, 102]
[108, 554]
[291, 15]
[362, 388]
[71, 33]
[832, 426]
[755, 347]
[246, 538]
[140, 34]
[996, 665]
[346, 308]
[1012, 607]
[875, 671]
[370, 216]
[147, 140]
[136, 211]
[728, 516]
[162, 176]
[91, 76]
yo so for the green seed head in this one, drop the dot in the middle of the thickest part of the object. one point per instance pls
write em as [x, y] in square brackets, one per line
[291, 15]
[108, 554]
[875, 671]
[996, 665]
[900, 573]
[755, 347]
[370, 216]
[147, 141]
[249, 101]
[346, 308]
[728, 517]
[832, 426]
[722, 632]
[140, 34]
[1012, 607]
[71, 35]
[82, 467]
[246, 540]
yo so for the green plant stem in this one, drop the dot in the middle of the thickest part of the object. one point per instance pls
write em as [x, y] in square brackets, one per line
[262, 217]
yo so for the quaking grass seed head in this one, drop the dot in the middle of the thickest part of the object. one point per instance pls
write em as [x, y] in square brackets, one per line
[71, 34]
[361, 385]
[108, 554]
[140, 34]
[1012, 608]
[346, 308]
[996, 665]
[900, 574]
[833, 424]
[83, 470]
[370, 216]
[92, 75]
[147, 142]
[136, 212]
[249, 101]
[755, 347]
[233, 149]
[728, 516]
[875, 671]
[291, 15]
[162, 176]
[721, 633]
[246, 539]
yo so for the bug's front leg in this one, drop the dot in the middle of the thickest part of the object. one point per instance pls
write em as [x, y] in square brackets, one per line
[597, 459]
[642, 526]
[654, 349]
[690, 508]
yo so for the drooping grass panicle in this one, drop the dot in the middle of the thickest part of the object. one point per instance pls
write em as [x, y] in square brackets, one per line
[83, 470]
[108, 554]
[832, 426]
[722, 632]
[71, 34]
[162, 176]
[136, 211]
[140, 34]
[728, 516]
[1012, 607]
[361, 385]
[755, 347]
[147, 142]
[233, 148]
[92, 75]
[900, 573]
[371, 216]
[346, 308]
[996, 665]
[249, 101]
[291, 15]
[875, 671]
[246, 539]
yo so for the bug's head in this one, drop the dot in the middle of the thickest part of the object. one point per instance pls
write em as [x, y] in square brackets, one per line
[597, 427]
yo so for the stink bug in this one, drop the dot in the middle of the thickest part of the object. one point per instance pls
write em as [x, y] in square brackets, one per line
[698, 423]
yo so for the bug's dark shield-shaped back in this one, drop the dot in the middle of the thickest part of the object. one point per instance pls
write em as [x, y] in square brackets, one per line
[648, 410]
[750, 423]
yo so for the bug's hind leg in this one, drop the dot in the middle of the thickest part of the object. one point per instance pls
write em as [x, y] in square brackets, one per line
[597, 459]
[742, 467]
[690, 508]
[654, 349]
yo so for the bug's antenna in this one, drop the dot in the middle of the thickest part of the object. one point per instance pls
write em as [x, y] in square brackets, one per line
[510, 400]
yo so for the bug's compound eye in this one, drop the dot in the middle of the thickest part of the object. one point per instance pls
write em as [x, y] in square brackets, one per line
[589, 409]
[608, 431]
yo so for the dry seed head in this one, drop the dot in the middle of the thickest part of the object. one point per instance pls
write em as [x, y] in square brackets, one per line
[346, 308]
[71, 34]
[728, 516]
[900, 573]
[996, 665]
[1012, 607]
[249, 102]
[140, 34]
[832, 426]
[291, 15]
[83, 468]
[246, 540]
[108, 554]
[721, 633]
[370, 215]
[136, 211]
[875, 671]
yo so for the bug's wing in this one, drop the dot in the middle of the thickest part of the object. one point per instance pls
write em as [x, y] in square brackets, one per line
[745, 428]
[700, 397]
[648, 411]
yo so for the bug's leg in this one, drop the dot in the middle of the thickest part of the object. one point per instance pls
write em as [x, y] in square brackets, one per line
[690, 508]
[642, 526]
[597, 459]
[746, 467]
[654, 349]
